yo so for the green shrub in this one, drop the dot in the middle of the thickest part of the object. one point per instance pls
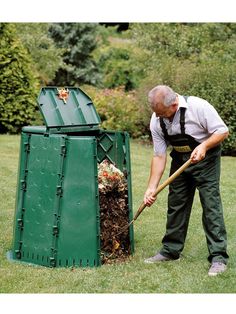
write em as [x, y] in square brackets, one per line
[18, 87]
[211, 79]
[118, 59]
[46, 57]
[216, 83]
[194, 59]
[118, 109]
[118, 68]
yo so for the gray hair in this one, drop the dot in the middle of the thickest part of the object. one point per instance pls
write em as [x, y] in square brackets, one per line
[165, 91]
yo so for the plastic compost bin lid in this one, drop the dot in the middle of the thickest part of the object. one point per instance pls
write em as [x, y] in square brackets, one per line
[67, 107]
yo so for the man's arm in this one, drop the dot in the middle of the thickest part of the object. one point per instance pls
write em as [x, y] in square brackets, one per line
[199, 152]
[157, 168]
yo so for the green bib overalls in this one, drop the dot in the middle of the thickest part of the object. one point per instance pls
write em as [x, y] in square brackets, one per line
[204, 176]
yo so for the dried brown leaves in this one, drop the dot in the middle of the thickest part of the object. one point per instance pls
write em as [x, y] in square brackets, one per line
[113, 191]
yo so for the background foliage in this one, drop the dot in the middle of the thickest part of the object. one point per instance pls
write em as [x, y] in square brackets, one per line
[118, 60]
[194, 59]
[18, 86]
[117, 109]
[119, 68]
[78, 41]
[46, 57]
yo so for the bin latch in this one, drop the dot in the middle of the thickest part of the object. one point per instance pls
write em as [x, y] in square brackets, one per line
[18, 254]
[27, 147]
[53, 262]
[20, 223]
[63, 150]
[55, 230]
[23, 185]
[59, 190]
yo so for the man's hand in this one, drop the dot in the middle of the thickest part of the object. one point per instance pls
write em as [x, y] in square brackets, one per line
[198, 153]
[157, 168]
[149, 199]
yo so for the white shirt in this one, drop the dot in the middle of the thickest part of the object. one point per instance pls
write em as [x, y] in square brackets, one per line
[201, 121]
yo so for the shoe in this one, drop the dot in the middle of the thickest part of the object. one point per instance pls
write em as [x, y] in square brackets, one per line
[157, 258]
[217, 268]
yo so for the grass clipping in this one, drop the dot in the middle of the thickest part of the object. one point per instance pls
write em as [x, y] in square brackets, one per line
[114, 213]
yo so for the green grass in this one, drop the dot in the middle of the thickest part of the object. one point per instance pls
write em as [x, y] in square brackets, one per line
[133, 276]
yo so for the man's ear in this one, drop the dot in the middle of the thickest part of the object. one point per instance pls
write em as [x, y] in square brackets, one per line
[174, 106]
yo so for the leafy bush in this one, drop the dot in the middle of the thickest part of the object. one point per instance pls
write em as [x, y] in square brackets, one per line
[216, 83]
[194, 59]
[17, 83]
[183, 40]
[211, 80]
[46, 57]
[119, 67]
[118, 109]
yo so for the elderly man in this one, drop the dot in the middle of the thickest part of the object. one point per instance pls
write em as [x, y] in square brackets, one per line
[194, 130]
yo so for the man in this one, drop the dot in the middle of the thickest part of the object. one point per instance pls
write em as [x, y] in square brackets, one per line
[194, 130]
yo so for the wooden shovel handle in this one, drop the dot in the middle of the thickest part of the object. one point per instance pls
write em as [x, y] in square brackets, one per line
[163, 185]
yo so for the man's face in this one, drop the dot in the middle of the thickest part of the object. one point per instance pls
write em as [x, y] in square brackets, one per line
[161, 110]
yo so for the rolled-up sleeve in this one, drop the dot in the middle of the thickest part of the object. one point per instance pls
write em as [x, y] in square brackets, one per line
[159, 144]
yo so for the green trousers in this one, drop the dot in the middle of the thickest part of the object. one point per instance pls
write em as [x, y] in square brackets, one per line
[204, 176]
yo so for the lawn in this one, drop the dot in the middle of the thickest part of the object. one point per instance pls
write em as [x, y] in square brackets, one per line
[189, 275]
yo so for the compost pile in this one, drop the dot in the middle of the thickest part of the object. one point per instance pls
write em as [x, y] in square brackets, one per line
[113, 199]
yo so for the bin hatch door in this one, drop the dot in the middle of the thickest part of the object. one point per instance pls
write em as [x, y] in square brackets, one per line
[67, 107]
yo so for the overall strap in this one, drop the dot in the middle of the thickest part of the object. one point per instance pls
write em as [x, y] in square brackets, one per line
[164, 130]
[182, 117]
[182, 120]
[182, 123]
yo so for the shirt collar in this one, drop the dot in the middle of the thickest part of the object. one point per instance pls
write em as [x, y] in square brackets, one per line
[182, 102]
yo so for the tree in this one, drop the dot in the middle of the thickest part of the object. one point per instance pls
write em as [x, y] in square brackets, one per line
[46, 57]
[79, 41]
[18, 85]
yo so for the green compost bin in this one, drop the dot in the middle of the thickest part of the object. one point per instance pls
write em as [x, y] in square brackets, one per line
[57, 214]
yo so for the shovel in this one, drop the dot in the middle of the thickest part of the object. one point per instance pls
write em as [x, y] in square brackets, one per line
[158, 190]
